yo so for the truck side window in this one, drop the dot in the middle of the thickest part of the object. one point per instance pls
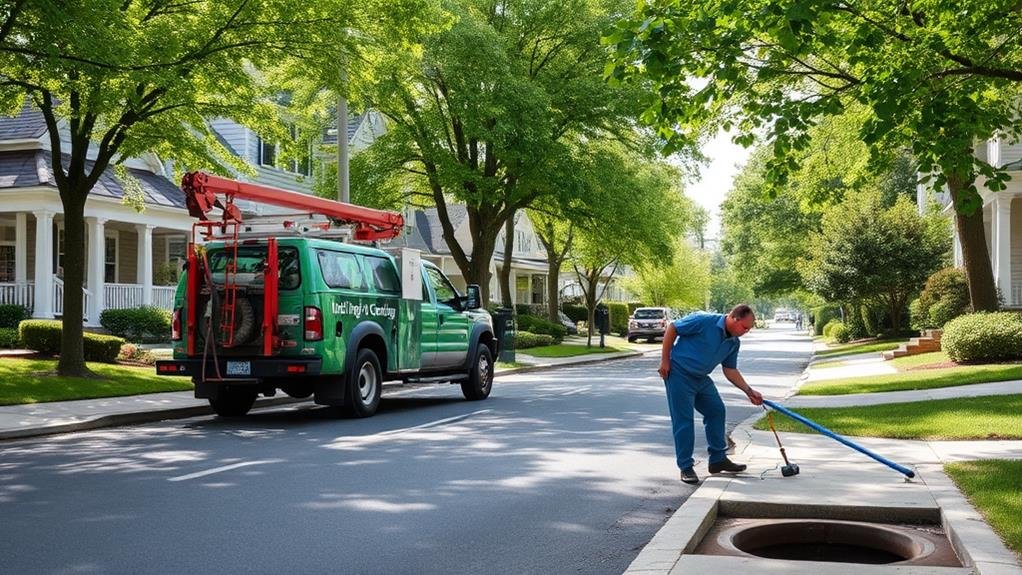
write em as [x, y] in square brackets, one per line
[341, 270]
[445, 292]
[384, 275]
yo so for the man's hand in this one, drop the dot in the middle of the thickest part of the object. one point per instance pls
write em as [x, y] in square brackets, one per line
[665, 368]
[754, 396]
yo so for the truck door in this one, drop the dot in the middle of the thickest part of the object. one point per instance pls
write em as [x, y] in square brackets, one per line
[452, 325]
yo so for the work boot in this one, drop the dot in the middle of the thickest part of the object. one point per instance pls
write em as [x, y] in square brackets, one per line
[727, 466]
[689, 476]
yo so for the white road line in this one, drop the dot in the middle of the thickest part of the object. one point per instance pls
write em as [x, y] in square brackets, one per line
[435, 423]
[574, 391]
[224, 468]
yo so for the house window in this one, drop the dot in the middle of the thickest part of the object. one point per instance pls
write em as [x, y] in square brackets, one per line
[58, 254]
[110, 258]
[267, 153]
[6, 262]
[176, 248]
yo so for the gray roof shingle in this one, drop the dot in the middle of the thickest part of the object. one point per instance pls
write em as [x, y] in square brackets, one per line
[27, 125]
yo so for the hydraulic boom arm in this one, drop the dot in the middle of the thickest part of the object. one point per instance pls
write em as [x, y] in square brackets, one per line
[204, 192]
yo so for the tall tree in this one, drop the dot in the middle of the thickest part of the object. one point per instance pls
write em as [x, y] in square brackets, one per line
[123, 78]
[486, 108]
[868, 251]
[683, 283]
[933, 76]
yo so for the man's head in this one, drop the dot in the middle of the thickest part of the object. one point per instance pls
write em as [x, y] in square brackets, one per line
[739, 320]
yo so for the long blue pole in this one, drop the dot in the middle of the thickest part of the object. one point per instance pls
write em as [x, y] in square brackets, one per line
[900, 468]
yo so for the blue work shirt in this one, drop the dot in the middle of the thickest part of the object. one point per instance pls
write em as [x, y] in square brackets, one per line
[703, 344]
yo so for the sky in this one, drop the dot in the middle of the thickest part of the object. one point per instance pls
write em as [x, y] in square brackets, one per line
[715, 178]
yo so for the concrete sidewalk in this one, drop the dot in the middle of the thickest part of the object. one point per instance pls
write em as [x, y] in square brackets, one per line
[836, 482]
[34, 419]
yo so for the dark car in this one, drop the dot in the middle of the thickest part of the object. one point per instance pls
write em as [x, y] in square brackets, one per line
[567, 323]
[649, 323]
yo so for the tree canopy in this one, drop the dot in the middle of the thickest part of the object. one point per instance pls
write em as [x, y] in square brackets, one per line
[931, 76]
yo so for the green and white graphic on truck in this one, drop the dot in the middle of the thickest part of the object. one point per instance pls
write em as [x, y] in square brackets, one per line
[323, 318]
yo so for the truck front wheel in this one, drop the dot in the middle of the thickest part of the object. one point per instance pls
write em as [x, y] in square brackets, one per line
[365, 384]
[480, 375]
[232, 403]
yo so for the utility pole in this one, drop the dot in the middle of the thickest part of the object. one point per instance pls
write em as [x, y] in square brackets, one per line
[343, 193]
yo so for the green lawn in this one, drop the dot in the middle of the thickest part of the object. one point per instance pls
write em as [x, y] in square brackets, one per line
[916, 379]
[828, 364]
[34, 381]
[990, 417]
[995, 487]
[568, 350]
[864, 347]
[919, 360]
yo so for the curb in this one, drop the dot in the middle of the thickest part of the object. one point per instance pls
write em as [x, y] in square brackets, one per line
[150, 416]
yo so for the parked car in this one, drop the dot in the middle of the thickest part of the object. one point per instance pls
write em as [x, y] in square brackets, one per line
[567, 323]
[649, 322]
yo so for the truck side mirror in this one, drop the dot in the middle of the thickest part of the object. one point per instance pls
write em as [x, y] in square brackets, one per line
[472, 297]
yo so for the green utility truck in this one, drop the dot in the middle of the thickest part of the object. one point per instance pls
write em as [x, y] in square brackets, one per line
[289, 307]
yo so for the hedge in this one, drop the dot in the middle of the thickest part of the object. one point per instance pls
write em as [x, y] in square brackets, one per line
[618, 317]
[43, 336]
[144, 324]
[822, 316]
[945, 297]
[525, 340]
[841, 333]
[538, 325]
[983, 337]
[829, 327]
[9, 338]
[576, 313]
[11, 315]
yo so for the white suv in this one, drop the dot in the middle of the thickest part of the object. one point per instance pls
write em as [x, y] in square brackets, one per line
[649, 322]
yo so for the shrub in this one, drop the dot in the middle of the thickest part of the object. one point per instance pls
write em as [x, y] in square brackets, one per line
[538, 325]
[102, 348]
[983, 337]
[41, 335]
[822, 315]
[132, 352]
[829, 327]
[618, 317]
[11, 315]
[9, 338]
[525, 340]
[841, 333]
[575, 313]
[140, 324]
[945, 297]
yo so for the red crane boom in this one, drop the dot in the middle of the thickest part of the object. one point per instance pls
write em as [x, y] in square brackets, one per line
[204, 192]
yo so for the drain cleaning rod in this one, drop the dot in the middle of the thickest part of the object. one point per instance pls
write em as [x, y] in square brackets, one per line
[899, 468]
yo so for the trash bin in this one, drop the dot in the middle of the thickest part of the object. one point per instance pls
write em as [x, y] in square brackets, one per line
[504, 330]
[602, 320]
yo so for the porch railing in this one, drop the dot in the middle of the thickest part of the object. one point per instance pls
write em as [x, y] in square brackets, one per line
[122, 296]
[20, 293]
[58, 297]
[163, 296]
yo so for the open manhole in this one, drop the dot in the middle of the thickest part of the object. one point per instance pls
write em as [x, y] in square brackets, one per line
[829, 540]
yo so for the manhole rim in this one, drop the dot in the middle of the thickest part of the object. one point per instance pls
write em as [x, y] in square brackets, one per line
[922, 547]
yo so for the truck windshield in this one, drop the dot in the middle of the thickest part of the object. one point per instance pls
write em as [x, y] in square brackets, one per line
[252, 266]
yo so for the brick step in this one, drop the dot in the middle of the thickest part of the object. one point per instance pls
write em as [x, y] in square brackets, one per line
[914, 346]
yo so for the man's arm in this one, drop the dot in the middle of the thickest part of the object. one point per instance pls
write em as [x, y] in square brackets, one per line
[670, 333]
[736, 379]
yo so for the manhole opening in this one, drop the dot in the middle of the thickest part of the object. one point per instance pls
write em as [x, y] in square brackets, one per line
[838, 542]
[829, 541]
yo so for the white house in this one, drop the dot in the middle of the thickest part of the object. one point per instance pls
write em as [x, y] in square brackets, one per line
[130, 255]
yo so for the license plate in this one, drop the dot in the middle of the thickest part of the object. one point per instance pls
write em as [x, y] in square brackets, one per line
[239, 368]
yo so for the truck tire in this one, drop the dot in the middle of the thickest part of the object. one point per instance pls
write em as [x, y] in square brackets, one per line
[365, 384]
[232, 403]
[480, 376]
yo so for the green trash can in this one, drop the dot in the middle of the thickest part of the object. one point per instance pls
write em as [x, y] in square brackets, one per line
[504, 330]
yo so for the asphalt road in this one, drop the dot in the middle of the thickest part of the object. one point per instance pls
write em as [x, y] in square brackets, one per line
[563, 471]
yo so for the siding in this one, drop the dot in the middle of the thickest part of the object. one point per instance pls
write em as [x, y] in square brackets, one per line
[127, 257]
[1010, 153]
[1016, 243]
[234, 135]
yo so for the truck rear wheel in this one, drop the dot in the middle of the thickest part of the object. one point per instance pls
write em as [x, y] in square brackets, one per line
[365, 384]
[480, 375]
[232, 403]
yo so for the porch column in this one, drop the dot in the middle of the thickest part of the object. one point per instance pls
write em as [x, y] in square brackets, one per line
[959, 260]
[1002, 247]
[97, 268]
[43, 307]
[21, 248]
[512, 283]
[145, 261]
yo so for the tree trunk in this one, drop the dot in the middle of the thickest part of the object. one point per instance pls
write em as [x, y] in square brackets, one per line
[72, 353]
[979, 273]
[506, 289]
[552, 292]
[478, 269]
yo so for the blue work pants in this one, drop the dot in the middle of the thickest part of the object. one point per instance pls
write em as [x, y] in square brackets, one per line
[686, 392]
